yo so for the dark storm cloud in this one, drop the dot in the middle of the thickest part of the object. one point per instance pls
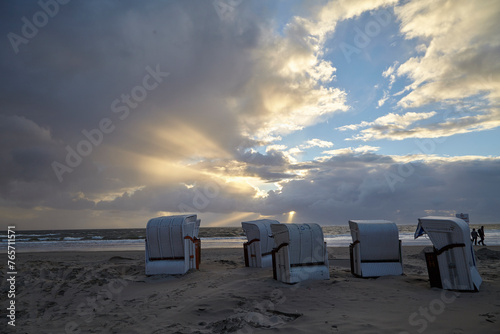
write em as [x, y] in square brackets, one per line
[271, 158]
[377, 187]
[89, 54]
[65, 78]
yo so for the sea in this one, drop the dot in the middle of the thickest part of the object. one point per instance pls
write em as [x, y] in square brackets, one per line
[130, 239]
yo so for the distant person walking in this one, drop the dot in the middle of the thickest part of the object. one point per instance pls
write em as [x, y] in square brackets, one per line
[474, 236]
[481, 235]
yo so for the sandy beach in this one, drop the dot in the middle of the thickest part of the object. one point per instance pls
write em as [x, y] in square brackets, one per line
[108, 292]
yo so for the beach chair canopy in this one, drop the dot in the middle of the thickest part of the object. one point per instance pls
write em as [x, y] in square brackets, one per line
[260, 230]
[453, 248]
[378, 239]
[443, 230]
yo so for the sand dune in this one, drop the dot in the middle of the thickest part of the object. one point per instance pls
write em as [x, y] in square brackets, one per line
[107, 292]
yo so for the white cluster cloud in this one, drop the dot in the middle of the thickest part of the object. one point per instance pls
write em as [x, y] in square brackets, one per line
[289, 89]
[457, 62]
[460, 59]
[316, 143]
[351, 150]
[391, 126]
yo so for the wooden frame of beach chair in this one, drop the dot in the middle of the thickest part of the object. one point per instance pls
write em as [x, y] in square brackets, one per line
[300, 253]
[376, 248]
[452, 264]
[172, 245]
[258, 249]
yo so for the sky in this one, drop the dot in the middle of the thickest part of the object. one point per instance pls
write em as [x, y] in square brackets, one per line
[115, 112]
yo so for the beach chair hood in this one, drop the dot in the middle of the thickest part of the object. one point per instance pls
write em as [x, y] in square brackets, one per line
[260, 230]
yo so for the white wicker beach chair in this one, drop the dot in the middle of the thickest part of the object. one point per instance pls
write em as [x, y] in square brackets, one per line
[300, 253]
[258, 249]
[172, 245]
[376, 249]
[452, 265]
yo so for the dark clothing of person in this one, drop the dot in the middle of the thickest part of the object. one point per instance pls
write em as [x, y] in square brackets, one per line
[480, 232]
[474, 236]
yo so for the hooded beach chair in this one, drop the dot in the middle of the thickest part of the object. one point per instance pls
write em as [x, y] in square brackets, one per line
[300, 253]
[452, 264]
[376, 249]
[172, 244]
[258, 249]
